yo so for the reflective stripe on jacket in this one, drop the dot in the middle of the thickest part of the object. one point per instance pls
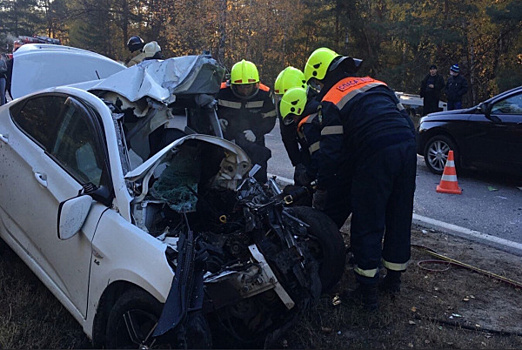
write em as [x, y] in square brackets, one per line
[257, 113]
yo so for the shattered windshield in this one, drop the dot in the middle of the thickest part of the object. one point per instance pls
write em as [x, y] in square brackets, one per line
[177, 182]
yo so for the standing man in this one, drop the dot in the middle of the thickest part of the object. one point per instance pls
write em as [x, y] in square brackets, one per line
[246, 113]
[456, 87]
[431, 88]
[367, 140]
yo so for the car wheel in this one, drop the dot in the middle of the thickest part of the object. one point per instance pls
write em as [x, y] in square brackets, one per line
[436, 153]
[327, 247]
[134, 317]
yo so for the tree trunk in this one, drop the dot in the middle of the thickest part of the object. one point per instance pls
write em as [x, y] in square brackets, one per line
[222, 27]
[125, 23]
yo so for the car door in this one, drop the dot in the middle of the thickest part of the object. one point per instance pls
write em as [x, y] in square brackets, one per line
[500, 143]
[50, 155]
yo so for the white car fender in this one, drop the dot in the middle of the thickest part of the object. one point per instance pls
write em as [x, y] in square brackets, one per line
[116, 246]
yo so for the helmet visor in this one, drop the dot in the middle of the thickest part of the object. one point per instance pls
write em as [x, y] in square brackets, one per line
[290, 119]
[245, 90]
[315, 86]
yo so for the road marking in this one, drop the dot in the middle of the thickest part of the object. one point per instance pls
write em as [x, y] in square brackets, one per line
[444, 226]
[441, 225]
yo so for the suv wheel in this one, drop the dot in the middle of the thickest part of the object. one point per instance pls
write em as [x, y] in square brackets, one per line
[436, 153]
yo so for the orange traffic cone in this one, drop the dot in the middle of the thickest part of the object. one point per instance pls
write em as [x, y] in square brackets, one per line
[448, 182]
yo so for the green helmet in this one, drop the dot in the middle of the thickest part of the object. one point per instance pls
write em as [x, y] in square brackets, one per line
[244, 72]
[318, 63]
[288, 78]
[293, 102]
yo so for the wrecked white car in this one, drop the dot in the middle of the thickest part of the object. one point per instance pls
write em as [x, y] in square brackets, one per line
[121, 196]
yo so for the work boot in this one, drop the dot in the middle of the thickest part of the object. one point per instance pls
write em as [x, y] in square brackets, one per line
[365, 293]
[391, 283]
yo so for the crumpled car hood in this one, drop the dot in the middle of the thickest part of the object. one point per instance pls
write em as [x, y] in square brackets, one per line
[243, 163]
[163, 80]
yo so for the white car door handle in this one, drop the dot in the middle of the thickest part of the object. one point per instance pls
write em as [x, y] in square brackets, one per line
[41, 178]
[4, 138]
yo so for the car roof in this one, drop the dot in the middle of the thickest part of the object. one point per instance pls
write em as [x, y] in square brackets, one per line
[40, 66]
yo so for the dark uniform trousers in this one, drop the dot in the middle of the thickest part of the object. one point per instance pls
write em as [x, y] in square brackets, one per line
[382, 192]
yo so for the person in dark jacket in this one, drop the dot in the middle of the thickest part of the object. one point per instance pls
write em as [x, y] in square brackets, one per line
[431, 88]
[247, 113]
[368, 142]
[456, 87]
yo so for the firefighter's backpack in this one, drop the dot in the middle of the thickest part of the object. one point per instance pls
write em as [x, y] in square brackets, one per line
[3, 64]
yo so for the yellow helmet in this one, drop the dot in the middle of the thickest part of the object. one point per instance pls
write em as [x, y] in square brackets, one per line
[293, 102]
[244, 72]
[288, 78]
[318, 63]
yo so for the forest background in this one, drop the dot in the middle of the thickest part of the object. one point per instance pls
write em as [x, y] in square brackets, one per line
[397, 39]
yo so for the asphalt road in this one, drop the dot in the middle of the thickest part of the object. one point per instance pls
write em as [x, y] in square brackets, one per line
[489, 208]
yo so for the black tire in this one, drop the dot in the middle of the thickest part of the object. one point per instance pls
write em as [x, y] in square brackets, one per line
[141, 311]
[330, 251]
[436, 153]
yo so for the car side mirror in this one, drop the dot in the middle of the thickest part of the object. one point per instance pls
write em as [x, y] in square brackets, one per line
[486, 109]
[100, 194]
[72, 215]
[483, 108]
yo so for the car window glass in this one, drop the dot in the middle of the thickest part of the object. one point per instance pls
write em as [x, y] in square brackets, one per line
[75, 147]
[39, 118]
[511, 105]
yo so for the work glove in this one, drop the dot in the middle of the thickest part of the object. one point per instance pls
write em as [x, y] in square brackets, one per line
[249, 135]
[319, 200]
[224, 124]
[301, 177]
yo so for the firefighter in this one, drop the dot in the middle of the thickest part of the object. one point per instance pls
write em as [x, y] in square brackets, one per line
[296, 108]
[142, 51]
[367, 140]
[246, 113]
[295, 146]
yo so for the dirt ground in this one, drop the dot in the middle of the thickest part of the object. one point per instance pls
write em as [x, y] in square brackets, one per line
[440, 306]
